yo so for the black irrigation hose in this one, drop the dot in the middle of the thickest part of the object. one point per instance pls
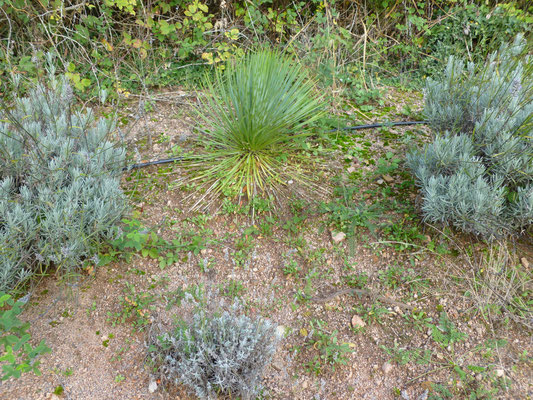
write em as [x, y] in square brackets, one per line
[347, 128]
[379, 125]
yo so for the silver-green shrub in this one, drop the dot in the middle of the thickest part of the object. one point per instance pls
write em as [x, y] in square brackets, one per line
[59, 183]
[477, 174]
[216, 354]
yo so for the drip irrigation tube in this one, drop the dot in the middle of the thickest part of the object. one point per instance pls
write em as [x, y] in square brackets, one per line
[347, 128]
[379, 125]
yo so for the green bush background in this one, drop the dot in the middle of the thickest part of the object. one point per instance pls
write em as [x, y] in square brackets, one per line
[130, 45]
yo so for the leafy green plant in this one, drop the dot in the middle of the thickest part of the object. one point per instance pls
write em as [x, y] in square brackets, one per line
[332, 353]
[19, 356]
[403, 356]
[233, 288]
[445, 333]
[136, 308]
[291, 267]
[356, 280]
[346, 215]
[254, 118]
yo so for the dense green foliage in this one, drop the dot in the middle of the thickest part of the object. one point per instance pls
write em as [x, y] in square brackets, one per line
[477, 174]
[59, 183]
[129, 45]
[253, 116]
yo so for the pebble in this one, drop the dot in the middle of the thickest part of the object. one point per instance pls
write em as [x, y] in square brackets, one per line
[357, 322]
[525, 262]
[338, 237]
[280, 331]
[388, 178]
[500, 373]
[386, 368]
[152, 387]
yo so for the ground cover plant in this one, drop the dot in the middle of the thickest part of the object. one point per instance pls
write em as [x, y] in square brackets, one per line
[365, 299]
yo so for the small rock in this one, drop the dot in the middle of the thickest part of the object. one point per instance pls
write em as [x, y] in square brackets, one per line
[524, 262]
[280, 331]
[386, 367]
[357, 322]
[479, 377]
[350, 169]
[388, 178]
[305, 385]
[338, 237]
[380, 181]
[152, 387]
[500, 373]
[277, 366]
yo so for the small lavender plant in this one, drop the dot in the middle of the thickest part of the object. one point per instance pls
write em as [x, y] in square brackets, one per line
[216, 354]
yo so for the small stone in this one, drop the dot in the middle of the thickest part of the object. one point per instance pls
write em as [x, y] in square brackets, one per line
[386, 368]
[277, 366]
[388, 178]
[500, 373]
[380, 181]
[290, 182]
[479, 377]
[525, 262]
[152, 387]
[280, 331]
[357, 322]
[338, 237]
[350, 169]
[305, 385]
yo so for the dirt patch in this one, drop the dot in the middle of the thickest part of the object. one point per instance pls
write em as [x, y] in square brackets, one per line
[279, 264]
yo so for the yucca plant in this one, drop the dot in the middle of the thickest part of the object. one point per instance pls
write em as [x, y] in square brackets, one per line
[254, 114]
